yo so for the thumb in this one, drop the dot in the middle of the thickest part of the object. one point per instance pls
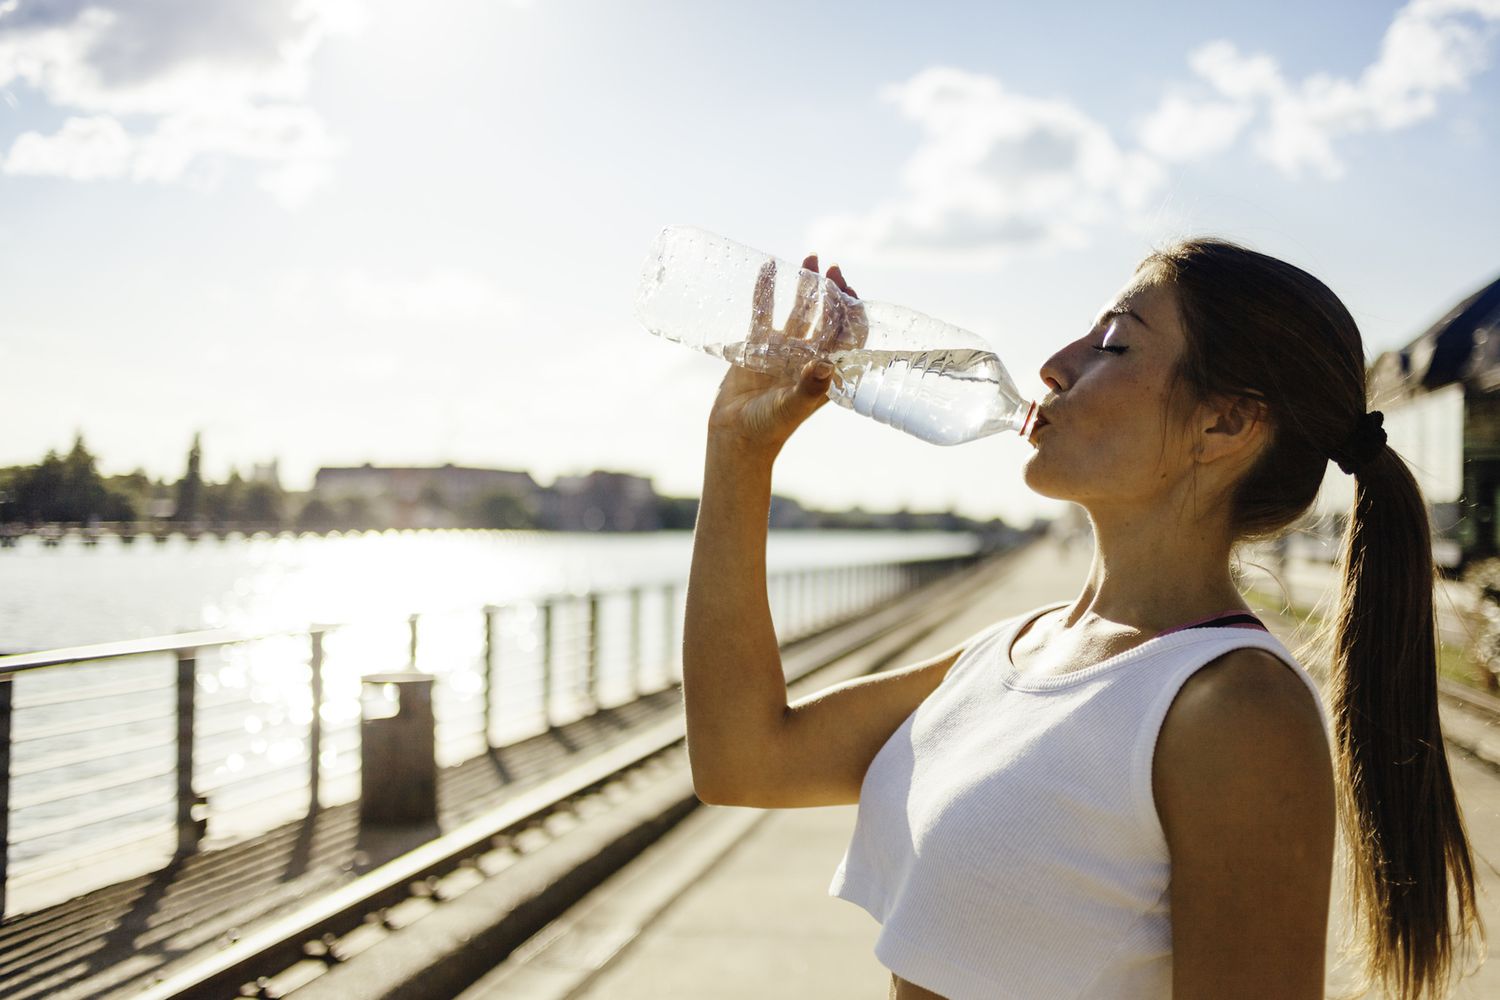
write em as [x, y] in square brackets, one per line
[811, 390]
[817, 375]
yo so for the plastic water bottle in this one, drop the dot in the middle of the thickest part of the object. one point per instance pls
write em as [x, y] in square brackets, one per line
[920, 375]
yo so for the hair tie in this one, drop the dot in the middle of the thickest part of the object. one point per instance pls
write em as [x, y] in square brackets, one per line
[1363, 445]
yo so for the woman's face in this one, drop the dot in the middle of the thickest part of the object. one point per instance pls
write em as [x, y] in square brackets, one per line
[1105, 437]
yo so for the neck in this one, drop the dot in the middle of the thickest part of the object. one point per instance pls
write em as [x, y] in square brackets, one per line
[1152, 576]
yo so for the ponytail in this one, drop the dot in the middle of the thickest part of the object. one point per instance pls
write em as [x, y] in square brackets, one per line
[1405, 831]
[1261, 328]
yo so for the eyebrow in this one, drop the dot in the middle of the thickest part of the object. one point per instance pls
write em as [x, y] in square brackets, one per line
[1117, 311]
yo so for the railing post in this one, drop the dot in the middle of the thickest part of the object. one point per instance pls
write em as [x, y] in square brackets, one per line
[669, 628]
[315, 728]
[591, 680]
[191, 824]
[824, 589]
[487, 678]
[635, 643]
[803, 598]
[7, 685]
[547, 655]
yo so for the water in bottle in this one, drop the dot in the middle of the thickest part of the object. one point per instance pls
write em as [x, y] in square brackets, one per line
[920, 375]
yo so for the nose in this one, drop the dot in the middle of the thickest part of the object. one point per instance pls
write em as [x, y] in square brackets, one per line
[1054, 371]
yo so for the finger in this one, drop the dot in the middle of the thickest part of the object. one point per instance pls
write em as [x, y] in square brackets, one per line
[802, 306]
[760, 306]
[812, 385]
[818, 370]
[856, 330]
[837, 276]
[833, 320]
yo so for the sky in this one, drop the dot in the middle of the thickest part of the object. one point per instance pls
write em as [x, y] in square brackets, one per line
[330, 232]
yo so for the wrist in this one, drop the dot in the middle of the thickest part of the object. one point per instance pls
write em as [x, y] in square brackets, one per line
[736, 479]
[729, 449]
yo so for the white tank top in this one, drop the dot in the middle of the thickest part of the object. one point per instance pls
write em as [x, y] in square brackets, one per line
[1007, 839]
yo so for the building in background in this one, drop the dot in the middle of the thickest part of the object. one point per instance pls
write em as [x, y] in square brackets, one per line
[600, 501]
[1441, 399]
[415, 497]
[449, 496]
[266, 472]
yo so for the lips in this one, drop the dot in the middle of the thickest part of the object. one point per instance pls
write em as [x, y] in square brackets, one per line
[1037, 424]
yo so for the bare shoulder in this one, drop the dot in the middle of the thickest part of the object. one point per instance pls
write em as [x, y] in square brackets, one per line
[1244, 709]
[1243, 784]
[1247, 688]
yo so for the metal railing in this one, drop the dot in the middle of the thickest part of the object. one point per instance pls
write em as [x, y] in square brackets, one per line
[79, 776]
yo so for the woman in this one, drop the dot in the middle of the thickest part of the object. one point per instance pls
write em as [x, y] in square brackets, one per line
[1133, 794]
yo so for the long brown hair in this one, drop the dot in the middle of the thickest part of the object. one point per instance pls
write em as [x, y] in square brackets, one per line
[1260, 328]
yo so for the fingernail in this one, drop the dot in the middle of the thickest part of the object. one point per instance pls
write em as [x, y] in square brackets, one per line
[822, 369]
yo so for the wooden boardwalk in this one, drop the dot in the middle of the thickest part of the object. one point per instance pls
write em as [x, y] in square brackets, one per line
[104, 942]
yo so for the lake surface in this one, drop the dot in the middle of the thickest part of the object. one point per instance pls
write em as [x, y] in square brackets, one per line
[93, 757]
[75, 594]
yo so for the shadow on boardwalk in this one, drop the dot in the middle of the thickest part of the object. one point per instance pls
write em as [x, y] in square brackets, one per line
[198, 903]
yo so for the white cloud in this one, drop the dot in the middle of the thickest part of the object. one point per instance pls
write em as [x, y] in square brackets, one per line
[1237, 77]
[293, 184]
[1184, 129]
[84, 149]
[1431, 47]
[196, 81]
[998, 173]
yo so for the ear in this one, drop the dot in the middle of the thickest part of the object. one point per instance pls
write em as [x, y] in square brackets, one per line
[1230, 427]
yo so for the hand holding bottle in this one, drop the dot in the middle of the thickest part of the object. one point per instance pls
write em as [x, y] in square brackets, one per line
[760, 411]
[920, 375]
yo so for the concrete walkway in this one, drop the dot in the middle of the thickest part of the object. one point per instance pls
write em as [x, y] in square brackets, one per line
[759, 921]
[762, 923]
[733, 903]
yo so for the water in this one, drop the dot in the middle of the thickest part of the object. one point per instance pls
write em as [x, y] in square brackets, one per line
[931, 379]
[943, 397]
[74, 594]
[114, 720]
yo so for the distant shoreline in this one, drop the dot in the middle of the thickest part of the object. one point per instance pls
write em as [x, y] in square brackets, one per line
[58, 534]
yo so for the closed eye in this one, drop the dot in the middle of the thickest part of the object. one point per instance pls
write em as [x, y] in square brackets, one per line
[1111, 348]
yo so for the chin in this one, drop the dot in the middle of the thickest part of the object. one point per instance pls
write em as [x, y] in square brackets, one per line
[1035, 474]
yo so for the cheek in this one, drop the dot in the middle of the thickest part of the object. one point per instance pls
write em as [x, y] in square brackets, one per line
[1117, 445]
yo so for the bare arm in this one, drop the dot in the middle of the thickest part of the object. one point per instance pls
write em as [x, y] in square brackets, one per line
[732, 681]
[1244, 788]
[746, 746]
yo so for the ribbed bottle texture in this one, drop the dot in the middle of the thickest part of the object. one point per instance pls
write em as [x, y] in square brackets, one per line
[920, 375]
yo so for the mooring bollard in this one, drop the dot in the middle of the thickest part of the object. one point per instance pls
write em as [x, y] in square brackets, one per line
[398, 766]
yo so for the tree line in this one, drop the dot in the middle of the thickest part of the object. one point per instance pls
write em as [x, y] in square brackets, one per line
[69, 489]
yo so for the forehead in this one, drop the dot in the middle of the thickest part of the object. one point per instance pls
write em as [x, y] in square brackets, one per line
[1153, 300]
